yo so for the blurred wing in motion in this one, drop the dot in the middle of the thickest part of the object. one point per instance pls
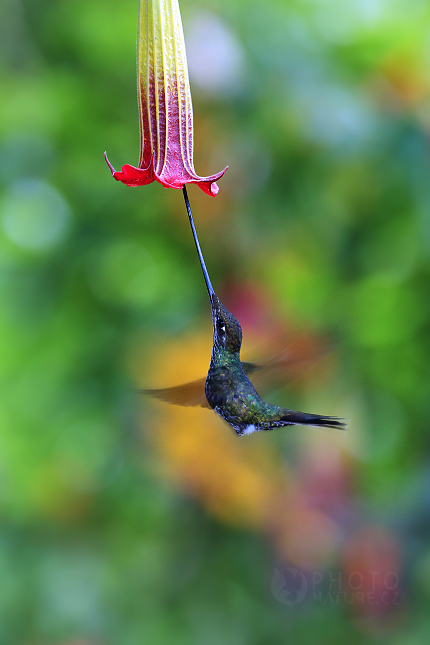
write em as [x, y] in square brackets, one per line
[188, 394]
[288, 364]
[292, 358]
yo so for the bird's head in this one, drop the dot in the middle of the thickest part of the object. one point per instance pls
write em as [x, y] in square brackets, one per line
[227, 333]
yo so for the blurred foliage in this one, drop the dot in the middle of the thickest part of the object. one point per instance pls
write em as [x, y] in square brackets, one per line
[123, 522]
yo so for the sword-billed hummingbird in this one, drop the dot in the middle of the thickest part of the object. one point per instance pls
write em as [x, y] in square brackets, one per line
[228, 390]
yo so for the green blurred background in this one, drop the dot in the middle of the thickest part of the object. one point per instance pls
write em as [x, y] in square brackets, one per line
[322, 224]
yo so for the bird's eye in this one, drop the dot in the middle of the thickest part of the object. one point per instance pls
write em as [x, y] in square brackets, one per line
[221, 325]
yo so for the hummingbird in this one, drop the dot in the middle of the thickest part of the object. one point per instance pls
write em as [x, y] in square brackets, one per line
[227, 388]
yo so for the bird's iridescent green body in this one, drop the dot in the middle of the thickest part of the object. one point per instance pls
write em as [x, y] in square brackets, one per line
[231, 394]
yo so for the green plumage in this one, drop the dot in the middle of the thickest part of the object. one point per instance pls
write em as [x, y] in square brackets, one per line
[231, 394]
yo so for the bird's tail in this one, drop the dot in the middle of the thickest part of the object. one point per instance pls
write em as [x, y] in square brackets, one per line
[304, 419]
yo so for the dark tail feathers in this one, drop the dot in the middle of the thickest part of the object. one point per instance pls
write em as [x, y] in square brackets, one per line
[301, 418]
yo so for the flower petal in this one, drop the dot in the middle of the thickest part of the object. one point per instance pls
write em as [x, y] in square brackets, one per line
[165, 107]
[132, 176]
[164, 99]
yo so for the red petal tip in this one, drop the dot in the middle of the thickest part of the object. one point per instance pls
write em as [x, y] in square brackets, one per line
[211, 187]
[112, 169]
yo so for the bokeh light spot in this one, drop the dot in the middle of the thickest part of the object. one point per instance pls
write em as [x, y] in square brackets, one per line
[215, 56]
[35, 215]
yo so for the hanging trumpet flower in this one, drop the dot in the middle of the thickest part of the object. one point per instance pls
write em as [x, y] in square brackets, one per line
[165, 108]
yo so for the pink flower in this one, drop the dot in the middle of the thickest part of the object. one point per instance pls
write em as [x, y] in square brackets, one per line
[165, 109]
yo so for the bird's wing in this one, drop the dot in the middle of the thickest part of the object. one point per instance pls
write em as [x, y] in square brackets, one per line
[248, 368]
[285, 366]
[291, 362]
[188, 394]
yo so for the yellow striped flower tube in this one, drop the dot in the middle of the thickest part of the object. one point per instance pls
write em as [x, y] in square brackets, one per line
[165, 108]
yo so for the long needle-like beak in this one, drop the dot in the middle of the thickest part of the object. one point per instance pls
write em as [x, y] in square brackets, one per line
[199, 251]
